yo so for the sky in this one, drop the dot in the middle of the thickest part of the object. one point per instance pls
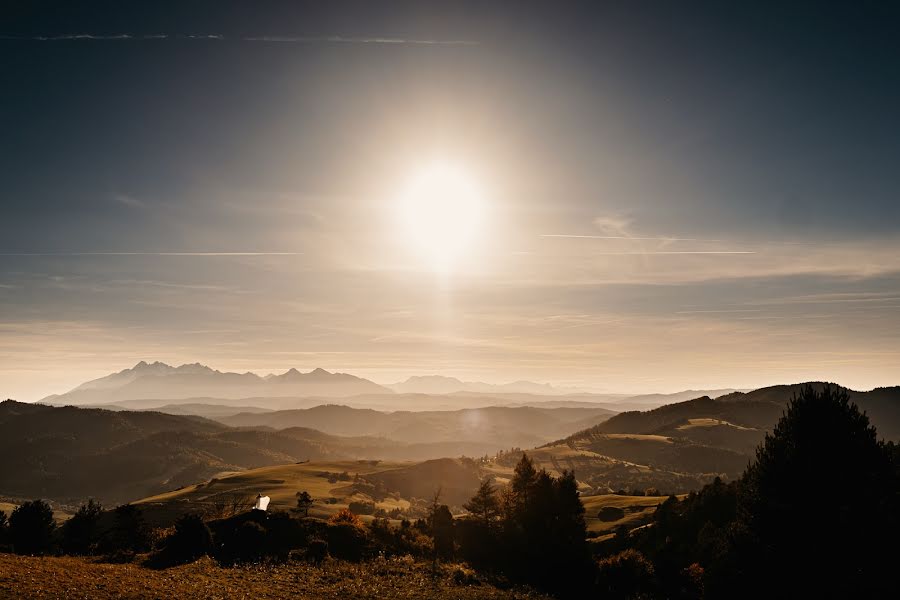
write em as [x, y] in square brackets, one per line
[667, 195]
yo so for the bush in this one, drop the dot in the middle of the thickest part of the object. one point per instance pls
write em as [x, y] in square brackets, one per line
[4, 530]
[362, 508]
[31, 528]
[626, 575]
[317, 551]
[190, 540]
[347, 541]
[611, 513]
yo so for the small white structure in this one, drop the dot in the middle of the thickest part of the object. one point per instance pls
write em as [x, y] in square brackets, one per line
[262, 502]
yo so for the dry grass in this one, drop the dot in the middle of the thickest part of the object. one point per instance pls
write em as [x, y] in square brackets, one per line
[60, 516]
[638, 510]
[77, 578]
[281, 483]
[710, 422]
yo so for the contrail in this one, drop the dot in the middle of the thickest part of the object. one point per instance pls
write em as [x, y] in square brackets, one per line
[674, 252]
[624, 237]
[333, 39]
[151, 254]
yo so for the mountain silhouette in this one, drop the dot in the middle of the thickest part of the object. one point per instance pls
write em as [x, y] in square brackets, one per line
[164, 382]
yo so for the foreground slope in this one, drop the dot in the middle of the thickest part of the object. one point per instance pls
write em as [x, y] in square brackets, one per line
[79, 578]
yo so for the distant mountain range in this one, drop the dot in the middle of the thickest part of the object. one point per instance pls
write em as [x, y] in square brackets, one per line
[162, 387]
[160, 381]
[438, 384]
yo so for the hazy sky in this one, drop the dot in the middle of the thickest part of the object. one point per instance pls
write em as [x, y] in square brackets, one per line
[221, 183]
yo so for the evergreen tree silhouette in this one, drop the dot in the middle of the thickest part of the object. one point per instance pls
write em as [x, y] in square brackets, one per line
[80, 534]
[817, 503]
[304, 503]
[31, 528]
[484, 505]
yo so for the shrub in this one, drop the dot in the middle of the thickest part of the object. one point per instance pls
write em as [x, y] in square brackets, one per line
[362, 508]
[626, 575]
[317, 551]
[251, 542]
[611, 513]
[190, 540]
[4, 531]
[31, 528]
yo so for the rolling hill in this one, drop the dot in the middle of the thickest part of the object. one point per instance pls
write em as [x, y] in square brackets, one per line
[677, 447]
[503, 427]
[71, 453]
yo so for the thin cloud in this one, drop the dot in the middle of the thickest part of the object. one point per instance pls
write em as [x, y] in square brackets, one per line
[333, 39]
[151, 254]
[693, 312]
[129, 201]
[673, 252]
[624, 237]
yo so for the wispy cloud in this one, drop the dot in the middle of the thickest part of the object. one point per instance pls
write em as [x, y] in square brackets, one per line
[129, 201]
[332, 39]
[624, 237]
[151, 253]
[673, 252]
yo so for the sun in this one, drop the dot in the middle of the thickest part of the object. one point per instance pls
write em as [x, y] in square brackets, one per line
[441, 210]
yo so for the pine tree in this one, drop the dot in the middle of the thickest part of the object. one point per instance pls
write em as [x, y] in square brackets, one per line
[484, 504]
[829, 544]
[524, 478]
[31, 527]
[80, 534]
[304, 503]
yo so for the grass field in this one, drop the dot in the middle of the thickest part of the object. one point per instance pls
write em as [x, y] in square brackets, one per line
[637, 511]
[58, 515]
[77, 578]
[709, 422]
[281, 483]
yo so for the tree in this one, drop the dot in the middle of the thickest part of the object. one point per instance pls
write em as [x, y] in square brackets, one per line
[823, 544]
[130, 532]
[484, 505]
[441, 522]
[4, 527]
[304, 503]
[80, 534]
[31, 528]
[524, 478]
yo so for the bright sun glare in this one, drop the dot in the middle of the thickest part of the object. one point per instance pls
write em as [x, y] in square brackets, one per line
[441, 210]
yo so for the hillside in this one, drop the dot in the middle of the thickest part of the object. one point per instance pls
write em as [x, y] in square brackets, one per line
[81, 578]
[333, 484]
[70, 453]
[164, 382]
[678, 447]
[500, 427]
